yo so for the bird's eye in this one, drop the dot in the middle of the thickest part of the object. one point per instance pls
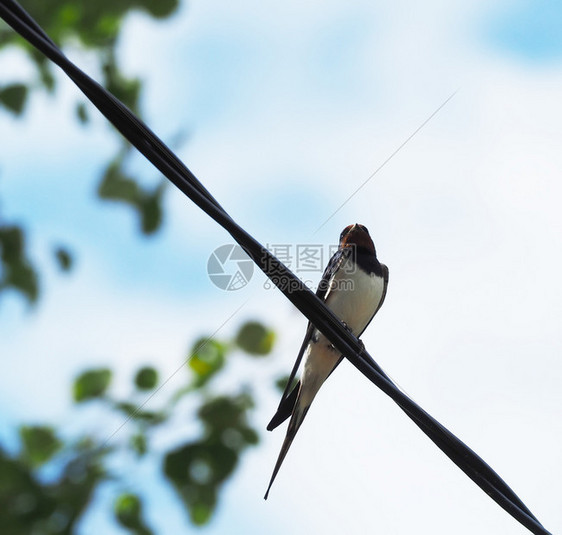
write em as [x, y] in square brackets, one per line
[362, 227]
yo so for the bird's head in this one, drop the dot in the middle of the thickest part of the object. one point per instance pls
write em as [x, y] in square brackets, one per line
[357, 236]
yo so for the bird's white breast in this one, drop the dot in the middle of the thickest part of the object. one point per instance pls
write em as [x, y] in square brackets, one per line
[354, 297]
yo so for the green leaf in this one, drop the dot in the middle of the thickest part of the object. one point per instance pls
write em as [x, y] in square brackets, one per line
[116, 185]
[76, 485]
[25, 501]
[250, 436]
[64, 258]
[201, 512]
[127, 90]
[150, 206]
[161, 8]
[146, 378]
[91, 384]
[281, 383]
[16, 270]
[40, 443]
[135, 413]
[46, 75]
[82, 113]
[194, 470]
[13, 97]
[207, 358]
[255, 339]
[225, 412]
[198, 469]
[138, 443]
[128, 512]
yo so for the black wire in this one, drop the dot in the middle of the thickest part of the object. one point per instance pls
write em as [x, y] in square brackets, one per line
[292, 287]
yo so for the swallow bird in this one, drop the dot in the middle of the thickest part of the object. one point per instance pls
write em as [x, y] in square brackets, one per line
[353, 287]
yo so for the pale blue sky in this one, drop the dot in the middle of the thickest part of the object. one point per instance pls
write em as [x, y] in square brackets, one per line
[287, 109]
[529, 30]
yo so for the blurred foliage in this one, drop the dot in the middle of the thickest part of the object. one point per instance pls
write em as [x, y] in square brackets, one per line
[146, 378]
[13, 96]
[198, 469]
[48, 480]
[255, 339]
[91, 384]
[29, 505]
[94, 27]
[206, 358]
[39, 444]
[16, 270]
[128, 511]
[64, 258]
[196, 465]
[281, 383]
[118, 186]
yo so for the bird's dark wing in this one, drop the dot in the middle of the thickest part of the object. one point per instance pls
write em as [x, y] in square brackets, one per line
[288, 400]
[333, 265]
[385, 279]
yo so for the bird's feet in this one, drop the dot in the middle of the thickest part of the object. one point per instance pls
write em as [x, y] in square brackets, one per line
[349, 329]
